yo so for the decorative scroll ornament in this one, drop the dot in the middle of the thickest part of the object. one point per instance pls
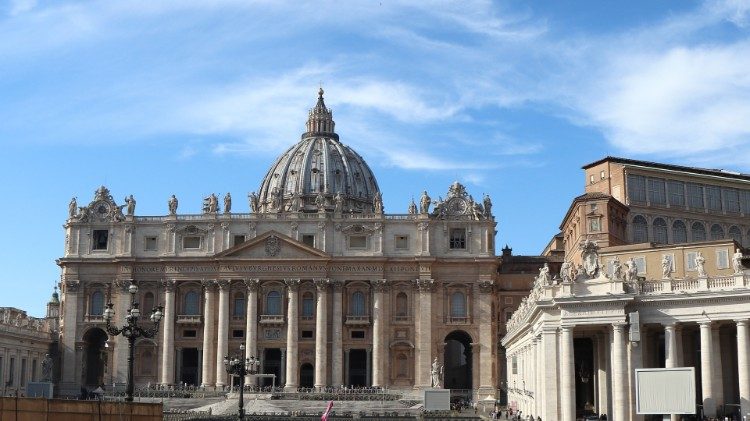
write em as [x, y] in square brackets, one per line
[458, 204]
[102, 209]
[273, 246]
[486, 285]
[168, 285]
[590, 256]
[322, 284]
[425, 285]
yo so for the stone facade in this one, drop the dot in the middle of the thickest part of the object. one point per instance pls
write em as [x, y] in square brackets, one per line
[317, 281]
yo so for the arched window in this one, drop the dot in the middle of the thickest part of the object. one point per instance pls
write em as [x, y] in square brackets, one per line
[358, 304]
[273, 303]
[660, 231]
[679, 232]
[97, 304]
[191, 303]
[640, 230]
[735, 234]
[402, 304]
[148, 303]
[698, 231]
[308, 304]
[717, 232]
[458, 304]
[239, 305]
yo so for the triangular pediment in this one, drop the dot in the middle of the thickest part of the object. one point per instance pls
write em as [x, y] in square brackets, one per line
[272, 245]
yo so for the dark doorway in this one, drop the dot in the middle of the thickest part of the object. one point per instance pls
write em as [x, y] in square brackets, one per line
[306, 375]
[272, 365]
[189, 368]
[95, 358]
[457, 362]
[358, 367]
[583, 351]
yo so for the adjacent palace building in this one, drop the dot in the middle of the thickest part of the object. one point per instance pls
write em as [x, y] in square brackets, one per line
[328, 290]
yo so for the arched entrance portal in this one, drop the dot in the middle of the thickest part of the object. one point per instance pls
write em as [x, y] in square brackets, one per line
[306, 375]
[94, 357]
[457, 361]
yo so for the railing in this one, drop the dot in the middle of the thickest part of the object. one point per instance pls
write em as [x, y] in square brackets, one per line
[684, 284]
[357, 320]
[188, 318]
[93, 318]
[307, 318]
[651, 287]
[721, 282]
[271, 319]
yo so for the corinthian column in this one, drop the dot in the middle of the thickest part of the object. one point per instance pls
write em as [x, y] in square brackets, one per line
[292, 380]
[167, 350]
[424, 334]
[378, 315]
[321, 333]
[223, 342]
[707, 370]
[251, 324]
[337, 352]
[484, 313]
[209, 336]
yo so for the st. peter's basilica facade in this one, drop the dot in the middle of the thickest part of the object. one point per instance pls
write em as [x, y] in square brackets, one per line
[316, 280]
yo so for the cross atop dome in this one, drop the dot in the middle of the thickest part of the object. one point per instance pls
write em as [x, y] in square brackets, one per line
[320, 120]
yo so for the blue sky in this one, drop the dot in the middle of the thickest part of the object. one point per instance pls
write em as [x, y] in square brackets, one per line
[154, 98]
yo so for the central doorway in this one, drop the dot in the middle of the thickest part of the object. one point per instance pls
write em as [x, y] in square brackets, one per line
[272, 365]
[457, 373]
[358, 367]
[189, 367]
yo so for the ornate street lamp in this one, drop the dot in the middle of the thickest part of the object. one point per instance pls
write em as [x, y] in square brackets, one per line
[132, 331]
[241, 366]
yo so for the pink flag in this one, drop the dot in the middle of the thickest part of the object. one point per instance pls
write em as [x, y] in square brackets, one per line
[327, 412]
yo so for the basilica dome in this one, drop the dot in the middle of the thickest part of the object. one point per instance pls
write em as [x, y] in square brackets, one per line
[319, 173]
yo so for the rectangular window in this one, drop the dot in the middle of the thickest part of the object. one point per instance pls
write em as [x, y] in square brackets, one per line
[591, 179]
[402, 242]
[149, 244]
[745, 199]
[307, 334]
[238, 239]
[637, 188]
[358, 334]
[690, 262]
[238, 333]
[640, 263]
[357, 241]
[657, 194]
[308, 240]
[190, 333]
[458, 238]
[239, 306]
[602, 175]
[11, 372]
[731, 200]
[676, 193]
[722, 259]
[713, 198]
[191, 243]
[100, 239]
[695, 196]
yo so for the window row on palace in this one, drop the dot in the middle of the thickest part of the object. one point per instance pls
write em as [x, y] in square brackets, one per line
[658, 230]
[683, 195]
[273, 301]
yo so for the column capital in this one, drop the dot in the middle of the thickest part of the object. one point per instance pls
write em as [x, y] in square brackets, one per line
[567, 328]
[425, 285]
[71, 285]
[618, 326]
[121, 285]
[670, 325]
[292, 283]
[168, 285]
[337, 285]
[252, 284]
[379, 285]
[486, 285]
[209, 285]
[706, 324]
[742, 322]
[321, 284]
[223, 284]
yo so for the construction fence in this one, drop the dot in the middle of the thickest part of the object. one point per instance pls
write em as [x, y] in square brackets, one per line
[41, 409]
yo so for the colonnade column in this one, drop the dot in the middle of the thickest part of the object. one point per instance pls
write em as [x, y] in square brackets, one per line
[707, 370]
[167, 350]
[567, 375]
[251, 324]
[670, 351]
[484, 309]
[549, 378]
[337, 353]
[743, 365]
[620, 373]
[222, 345]
[718, 377]
[378, 340]
[538, 408]
[424, 334]
[321, 333]
[209, 336]
[292, 380]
